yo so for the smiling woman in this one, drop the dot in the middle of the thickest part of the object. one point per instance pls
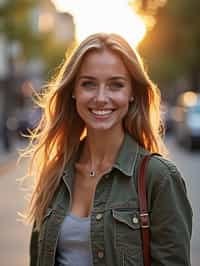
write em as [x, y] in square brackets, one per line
[85, 201]
[103, 91]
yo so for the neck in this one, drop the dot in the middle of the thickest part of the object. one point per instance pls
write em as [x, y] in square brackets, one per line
[101, 148]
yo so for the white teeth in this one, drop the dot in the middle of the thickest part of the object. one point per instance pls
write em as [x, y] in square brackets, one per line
[101, 112]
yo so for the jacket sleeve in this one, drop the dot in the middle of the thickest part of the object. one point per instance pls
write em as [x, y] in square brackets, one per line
[33, 247]
[171, 219]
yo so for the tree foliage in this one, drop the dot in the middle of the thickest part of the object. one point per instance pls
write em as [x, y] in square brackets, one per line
[15, 19]
[171, 47]
[16, 24]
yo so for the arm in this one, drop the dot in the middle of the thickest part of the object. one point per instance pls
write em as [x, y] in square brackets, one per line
[171, 220]
[33, 247]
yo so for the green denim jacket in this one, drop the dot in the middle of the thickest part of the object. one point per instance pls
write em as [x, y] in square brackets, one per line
[115, 223]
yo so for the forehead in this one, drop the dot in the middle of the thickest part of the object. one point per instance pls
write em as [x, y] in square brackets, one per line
[103, 62]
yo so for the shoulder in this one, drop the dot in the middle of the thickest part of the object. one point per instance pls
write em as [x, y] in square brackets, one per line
[162, 172]
[159, 165]
[163, 166]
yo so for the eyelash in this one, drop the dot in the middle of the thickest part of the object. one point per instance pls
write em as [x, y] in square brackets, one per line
[88, 83]
[114, 85]
[117, 85]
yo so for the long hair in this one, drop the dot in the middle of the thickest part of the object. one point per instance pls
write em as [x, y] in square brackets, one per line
[58, 134]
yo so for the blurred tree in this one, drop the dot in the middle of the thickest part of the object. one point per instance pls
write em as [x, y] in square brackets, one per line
[16, 23]
[171, 47]
[19, 21]
[16, 27]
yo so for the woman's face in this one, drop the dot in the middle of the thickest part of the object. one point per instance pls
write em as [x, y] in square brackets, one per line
[102, 90]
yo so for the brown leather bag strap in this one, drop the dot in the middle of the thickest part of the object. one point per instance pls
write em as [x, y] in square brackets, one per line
[144, 215]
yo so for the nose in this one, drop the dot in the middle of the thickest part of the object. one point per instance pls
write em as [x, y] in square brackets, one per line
[101, 94]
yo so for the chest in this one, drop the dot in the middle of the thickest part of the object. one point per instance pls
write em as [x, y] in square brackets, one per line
[83, 192]
[114, 219]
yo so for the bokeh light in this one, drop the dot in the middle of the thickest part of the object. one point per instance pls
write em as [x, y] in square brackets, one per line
[188, 98]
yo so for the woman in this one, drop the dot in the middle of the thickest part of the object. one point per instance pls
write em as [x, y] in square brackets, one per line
[101, 117]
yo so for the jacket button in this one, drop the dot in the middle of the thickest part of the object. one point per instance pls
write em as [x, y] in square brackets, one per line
[100, 254]
[99, 216]
[135, 220]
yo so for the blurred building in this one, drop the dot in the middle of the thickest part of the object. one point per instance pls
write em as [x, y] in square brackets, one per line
[61, 25]
[19, 75]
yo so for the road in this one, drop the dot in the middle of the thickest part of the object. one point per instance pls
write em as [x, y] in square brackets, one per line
[15, 236]
[189, 164]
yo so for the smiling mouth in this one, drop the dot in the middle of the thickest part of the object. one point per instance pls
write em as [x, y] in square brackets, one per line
[101, 112]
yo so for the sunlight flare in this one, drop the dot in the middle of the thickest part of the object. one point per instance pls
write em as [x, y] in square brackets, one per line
[92, 16]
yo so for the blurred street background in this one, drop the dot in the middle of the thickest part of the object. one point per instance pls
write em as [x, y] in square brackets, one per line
[35, 38]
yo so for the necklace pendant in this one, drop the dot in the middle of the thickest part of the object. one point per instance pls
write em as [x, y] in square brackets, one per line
[92, 173]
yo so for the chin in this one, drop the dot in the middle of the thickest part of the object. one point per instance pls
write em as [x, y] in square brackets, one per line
[104, 128]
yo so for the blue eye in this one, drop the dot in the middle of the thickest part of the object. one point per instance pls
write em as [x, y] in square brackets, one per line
[88, 84]
[116, 85]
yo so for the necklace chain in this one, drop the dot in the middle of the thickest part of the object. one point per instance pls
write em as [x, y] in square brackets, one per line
[93, 173]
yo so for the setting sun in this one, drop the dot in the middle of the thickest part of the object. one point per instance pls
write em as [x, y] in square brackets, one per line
[93, 16]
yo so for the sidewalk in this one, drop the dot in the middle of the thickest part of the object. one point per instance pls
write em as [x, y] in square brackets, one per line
[15, 236]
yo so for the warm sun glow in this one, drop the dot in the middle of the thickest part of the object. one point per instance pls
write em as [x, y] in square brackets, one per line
[92, 16]
[188, 98]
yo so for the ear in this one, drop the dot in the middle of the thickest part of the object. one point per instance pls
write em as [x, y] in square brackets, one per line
[131, 99]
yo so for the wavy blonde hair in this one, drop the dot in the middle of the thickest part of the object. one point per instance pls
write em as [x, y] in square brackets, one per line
[58, 134]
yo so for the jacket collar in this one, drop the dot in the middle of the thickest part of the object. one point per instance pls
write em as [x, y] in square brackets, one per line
[125, 161]
[127, 156]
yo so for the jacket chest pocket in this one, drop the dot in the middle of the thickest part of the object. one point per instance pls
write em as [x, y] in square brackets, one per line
[127, 236]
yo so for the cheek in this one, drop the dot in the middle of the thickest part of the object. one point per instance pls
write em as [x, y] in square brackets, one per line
[123, 105]
[80, 111]
[81, 97]
[123, 101]
[81, 104]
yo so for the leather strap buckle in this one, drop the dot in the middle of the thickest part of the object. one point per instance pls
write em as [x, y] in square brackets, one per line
[144, 217]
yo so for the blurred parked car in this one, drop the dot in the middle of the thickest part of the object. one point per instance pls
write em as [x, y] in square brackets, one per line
[186, 116]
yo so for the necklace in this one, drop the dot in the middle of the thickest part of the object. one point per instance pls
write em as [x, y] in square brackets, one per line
[92, 173]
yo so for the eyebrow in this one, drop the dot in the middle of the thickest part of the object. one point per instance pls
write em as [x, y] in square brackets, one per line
[86, 77]
[93, 78]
